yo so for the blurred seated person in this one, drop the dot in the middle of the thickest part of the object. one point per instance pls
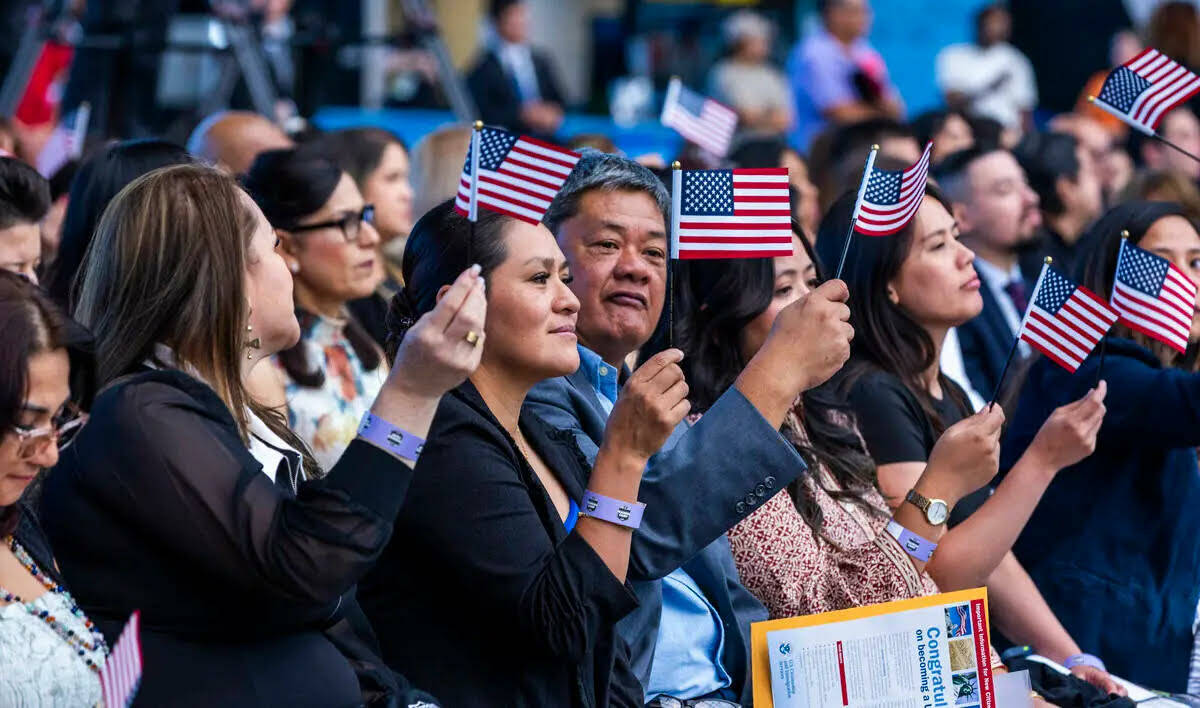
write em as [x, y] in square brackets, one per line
[1113, 164]
[24, 201]
[1164, 186]
[51, 226]
[1180, 127]
[947, 128]
[989, 77]
[747, 81]
[757, 152]
[837, 76]
[378, 162]
[514, 85]
[230, 140]
[102, 175]
[437, 163]
[329, 377]
[1065, 178]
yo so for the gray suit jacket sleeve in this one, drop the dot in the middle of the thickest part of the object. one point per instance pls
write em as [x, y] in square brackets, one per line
[707, 478]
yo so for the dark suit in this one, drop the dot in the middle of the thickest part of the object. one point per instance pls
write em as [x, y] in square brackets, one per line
[705, 480]
[496, 95]
[986, 341]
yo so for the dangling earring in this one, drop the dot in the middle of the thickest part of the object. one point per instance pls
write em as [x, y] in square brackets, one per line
[294, 267]
[253, 343]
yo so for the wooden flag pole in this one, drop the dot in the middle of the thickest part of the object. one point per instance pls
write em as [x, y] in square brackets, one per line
[473, 207]
[862, 191]
[1104, 339]
[1151, 133]
[1017, 338]
[673, 247]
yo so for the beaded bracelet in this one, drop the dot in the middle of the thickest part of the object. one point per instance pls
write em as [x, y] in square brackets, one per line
[383, 434]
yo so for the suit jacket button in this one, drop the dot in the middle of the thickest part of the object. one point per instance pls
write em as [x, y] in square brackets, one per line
[760, 491]
[770, 482]
[750, 500]
[740, 507]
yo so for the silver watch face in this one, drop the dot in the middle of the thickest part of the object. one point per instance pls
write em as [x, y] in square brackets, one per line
[937, 512]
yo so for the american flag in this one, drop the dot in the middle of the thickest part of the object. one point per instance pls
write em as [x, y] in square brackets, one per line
[1142, 90]
[731, 213]
[122, 673]
[1065, 321]
[891, 197]
[518, 175]
[708, 123]
[1153, 296]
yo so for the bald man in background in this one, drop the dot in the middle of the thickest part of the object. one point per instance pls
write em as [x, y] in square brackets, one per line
[230, 140]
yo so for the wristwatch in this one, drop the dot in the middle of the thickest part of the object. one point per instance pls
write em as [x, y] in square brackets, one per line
[936, 511]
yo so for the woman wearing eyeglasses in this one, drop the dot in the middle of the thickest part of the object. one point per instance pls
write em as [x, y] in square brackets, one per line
[50, 654]
[328, 380]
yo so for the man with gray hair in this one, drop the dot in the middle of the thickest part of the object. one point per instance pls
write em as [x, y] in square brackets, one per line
[689, 637]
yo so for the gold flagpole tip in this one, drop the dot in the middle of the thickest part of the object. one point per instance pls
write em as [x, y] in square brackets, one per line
[1049, 260]
[1124, 233]
[875, 148]
[676, 166]
[478, 125]
[1091, 99]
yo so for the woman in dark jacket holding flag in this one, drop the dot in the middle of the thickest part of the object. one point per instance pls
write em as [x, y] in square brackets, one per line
[1114, 545]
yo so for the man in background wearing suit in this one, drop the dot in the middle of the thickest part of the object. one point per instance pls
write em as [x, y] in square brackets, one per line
[515, 86]
[689, 637]
[997, 213]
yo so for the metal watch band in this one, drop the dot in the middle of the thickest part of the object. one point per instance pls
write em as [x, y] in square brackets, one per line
[383, 434]
[916, 499]
[915, 546]
[614, 511]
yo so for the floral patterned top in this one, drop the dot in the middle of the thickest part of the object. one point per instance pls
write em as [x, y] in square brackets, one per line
[327, 418]
[38, 669]
[793, 573]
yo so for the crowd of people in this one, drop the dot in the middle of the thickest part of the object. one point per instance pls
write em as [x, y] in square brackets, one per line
[341, 446]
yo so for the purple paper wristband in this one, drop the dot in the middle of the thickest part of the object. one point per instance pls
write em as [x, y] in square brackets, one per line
[395, 440]
[614, 511]
[1084, 660]
[913, 545]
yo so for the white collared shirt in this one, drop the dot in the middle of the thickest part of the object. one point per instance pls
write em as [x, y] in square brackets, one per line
[518, 62]
[995, 279]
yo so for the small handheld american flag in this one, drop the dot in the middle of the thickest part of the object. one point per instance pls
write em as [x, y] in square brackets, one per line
[1065, 321]
[743, 213]
[122, 672]
[891, 197]
[518, 175]
[1144, 89]
[708, 123]
[1153, 296]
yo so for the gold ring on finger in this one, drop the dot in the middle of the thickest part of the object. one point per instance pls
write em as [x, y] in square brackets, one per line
[472, 338]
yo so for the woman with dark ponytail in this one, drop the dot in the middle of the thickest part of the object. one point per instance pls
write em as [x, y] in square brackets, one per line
[329, 378]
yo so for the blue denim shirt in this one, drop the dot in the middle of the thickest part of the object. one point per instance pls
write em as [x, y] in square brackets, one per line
[691, 637]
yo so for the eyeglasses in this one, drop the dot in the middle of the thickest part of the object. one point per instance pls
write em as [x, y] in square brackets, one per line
[32, 442]
[350, 224]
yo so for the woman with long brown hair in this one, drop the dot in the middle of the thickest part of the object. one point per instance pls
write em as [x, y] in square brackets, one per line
[187, 500]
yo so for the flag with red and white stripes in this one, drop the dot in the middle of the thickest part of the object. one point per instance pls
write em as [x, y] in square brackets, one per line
[708, 123]
[1144, 89]
[1065, 321]
[122, 672]
[518, 175]
[743, 213]
[891, 197]
[1153, 296]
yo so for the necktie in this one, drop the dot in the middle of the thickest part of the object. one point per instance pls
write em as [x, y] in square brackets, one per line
[1016, 292]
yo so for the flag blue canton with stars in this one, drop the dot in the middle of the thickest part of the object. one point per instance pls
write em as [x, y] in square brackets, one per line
[493, 148]
[1142, 271]
[884, 187]
[1054, 293]
[707, 193]
[1122, 88]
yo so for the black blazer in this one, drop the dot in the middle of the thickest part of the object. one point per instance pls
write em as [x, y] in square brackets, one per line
[985, 342]
[158, 506]
[482, 596]
[495, 90]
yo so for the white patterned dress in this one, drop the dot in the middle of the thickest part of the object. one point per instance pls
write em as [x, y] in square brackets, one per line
[38, 669]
